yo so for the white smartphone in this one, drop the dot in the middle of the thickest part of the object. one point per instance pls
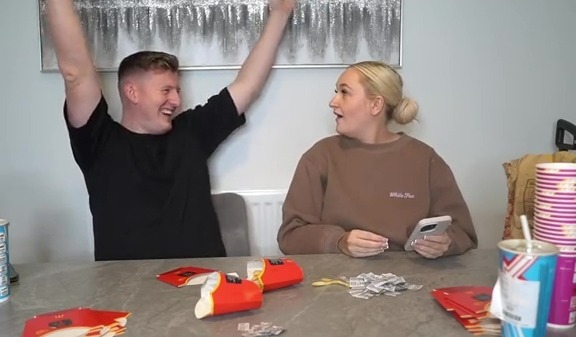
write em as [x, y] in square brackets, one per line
[428, 226]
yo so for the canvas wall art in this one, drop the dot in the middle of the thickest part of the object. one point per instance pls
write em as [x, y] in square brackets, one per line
[218, 34]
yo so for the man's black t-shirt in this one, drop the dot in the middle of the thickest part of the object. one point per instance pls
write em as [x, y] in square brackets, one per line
[150, 195]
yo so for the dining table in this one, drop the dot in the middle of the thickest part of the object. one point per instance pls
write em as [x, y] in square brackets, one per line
[160, 309]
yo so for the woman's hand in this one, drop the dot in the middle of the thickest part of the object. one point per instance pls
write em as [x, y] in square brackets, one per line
[359, 243]
[432, 246]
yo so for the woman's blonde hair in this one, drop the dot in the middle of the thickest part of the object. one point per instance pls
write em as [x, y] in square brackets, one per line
[379, 79]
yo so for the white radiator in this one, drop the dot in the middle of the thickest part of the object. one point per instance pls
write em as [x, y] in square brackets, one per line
[264, 219]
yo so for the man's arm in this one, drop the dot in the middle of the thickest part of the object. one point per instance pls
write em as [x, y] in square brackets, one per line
[256, 68]
[83, 90]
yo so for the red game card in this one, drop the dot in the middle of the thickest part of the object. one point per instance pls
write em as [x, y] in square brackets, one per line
[476, 299]
[76, 322]
[72, 322]
[112, 319]
[464, 312]
[184, 276]
[440, 297]
[469, 305]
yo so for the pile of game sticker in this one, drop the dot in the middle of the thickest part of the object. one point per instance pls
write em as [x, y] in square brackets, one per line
[368, 285]
[264, 329]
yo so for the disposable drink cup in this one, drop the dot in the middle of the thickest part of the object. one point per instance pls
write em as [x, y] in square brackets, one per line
[526, 278]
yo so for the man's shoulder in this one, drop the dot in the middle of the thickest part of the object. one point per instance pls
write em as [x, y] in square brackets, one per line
[223, 97]
[218, 107]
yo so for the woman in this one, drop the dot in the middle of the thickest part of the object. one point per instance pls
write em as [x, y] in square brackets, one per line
[363, 191]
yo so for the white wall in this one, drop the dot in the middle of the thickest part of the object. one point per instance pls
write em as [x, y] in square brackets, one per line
[492, 77]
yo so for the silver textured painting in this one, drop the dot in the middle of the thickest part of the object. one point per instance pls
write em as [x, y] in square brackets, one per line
[218, 34]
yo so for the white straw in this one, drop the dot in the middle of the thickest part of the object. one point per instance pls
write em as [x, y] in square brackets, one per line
[526, 232]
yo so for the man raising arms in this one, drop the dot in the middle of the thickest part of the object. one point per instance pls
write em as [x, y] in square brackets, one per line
[147, 176]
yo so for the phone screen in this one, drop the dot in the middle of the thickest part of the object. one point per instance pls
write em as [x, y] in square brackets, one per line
[428, 228]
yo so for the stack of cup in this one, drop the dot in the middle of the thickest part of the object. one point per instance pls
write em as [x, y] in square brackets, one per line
[4, 262]
[555, 222]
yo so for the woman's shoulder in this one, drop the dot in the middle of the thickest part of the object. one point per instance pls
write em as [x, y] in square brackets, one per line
[422, 149]
[325, 143]
[329, 141]
[415, 144]
[339, 143]
[322, 148]
[333, 145]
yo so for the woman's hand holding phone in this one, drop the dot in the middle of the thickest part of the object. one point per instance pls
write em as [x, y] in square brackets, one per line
[429, 237]
[432, 246]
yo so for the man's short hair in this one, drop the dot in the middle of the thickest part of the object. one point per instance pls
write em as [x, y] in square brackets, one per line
[147, 61]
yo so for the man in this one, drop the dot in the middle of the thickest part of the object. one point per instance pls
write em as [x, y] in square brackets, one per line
[147, 176]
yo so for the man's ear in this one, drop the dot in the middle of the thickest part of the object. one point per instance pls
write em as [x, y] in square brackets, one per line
[130, 91]
[377, 105]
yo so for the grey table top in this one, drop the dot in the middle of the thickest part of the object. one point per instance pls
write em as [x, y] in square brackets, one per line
[159, 309]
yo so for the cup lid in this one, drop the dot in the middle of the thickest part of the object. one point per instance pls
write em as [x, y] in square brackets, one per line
[539, 248]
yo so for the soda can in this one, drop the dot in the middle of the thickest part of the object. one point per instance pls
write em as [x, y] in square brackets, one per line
[526, 279]
[4, 293]
[4, 262]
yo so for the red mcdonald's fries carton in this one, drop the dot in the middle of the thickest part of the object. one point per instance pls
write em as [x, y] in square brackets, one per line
[222, 293]
[271, 274]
